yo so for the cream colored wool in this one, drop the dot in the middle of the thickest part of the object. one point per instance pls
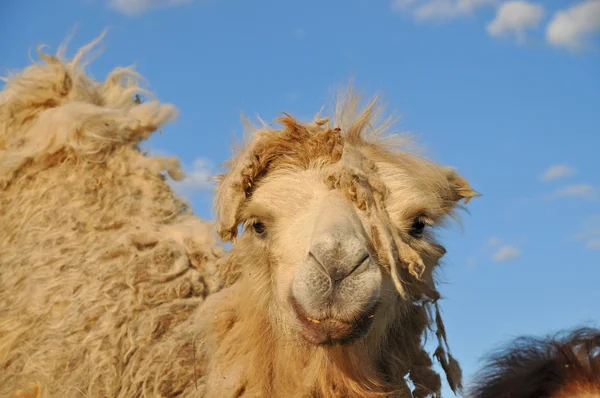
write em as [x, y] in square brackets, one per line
[100, 264]
[104, 272]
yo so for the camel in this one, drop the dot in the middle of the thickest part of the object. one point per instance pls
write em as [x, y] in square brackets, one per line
[111, 287]
[563, 365]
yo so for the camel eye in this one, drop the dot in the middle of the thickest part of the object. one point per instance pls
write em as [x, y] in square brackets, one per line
[259, 227]
[417, 228]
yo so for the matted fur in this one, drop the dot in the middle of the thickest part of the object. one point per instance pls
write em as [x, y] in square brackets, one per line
[100, 264]
[108, 287]
[352, 155]
[565, 365]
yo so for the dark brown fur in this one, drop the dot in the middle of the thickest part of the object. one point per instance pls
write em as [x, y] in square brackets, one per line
[559, 366]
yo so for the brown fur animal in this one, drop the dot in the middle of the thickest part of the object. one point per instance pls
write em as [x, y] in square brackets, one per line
[566, 365]
[328, 291]
[100, 264]
[331, 279]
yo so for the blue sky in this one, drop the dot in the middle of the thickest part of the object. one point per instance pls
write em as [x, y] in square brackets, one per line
[507, 92]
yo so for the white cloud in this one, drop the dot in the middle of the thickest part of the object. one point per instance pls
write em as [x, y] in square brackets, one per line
[557, 171]
[494, 241]
[590, 233]
[447, 9]
[593, 244]
[197, 179]
[497, 250]
[401, 5]
[135, 7]
[505, 253]
[423, 10]
[581, 191]
[514, 18]
[571, 27]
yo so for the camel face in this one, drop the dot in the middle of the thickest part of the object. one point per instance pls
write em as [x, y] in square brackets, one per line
[326, 274]
[333, 232]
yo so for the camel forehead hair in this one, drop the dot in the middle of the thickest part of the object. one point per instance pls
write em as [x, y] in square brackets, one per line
[290, 186]
[321, 142]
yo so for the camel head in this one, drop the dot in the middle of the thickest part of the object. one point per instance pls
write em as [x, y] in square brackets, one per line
[337, 223]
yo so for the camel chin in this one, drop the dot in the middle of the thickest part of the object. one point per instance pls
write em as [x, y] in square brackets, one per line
[332, 330]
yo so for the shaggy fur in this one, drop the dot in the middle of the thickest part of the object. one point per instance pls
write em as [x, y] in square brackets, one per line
[108, 286]
[562, 366]
[101, 265]
[273, 179]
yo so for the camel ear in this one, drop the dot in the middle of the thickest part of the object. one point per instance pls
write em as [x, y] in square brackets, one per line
[460, 188]
[246, 168]
[235, 186]
[232, 191]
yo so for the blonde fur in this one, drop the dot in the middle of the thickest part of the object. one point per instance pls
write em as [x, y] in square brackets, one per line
[101, 264]
[111, 287]
[276, 176]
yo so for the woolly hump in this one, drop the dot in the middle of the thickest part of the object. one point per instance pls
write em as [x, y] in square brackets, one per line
[101, 264]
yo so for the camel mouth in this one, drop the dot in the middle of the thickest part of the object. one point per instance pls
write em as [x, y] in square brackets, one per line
[332, 331]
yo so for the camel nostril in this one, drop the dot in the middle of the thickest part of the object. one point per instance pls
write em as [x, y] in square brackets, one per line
[339, 265]
[359, 266]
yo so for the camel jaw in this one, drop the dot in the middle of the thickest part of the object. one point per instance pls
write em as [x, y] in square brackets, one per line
[331, 331]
